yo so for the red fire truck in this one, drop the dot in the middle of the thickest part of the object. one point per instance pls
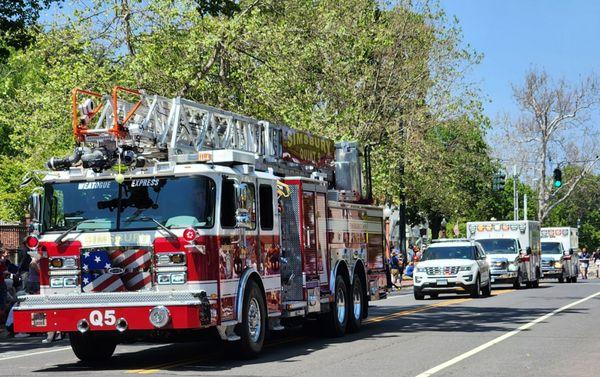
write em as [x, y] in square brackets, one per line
[172, 217]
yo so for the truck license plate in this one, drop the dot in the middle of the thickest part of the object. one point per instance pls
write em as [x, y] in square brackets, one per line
[442, 282]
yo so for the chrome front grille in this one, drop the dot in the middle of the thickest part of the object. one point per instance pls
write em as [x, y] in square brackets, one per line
[499, 265]
[449, 270]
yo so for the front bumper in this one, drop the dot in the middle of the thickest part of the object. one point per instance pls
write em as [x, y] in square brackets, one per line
[552, 273]
[502, 276]
[39, 313]
[463, 282]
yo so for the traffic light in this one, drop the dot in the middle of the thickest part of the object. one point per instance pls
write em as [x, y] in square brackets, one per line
[557, 178]
[499, 181]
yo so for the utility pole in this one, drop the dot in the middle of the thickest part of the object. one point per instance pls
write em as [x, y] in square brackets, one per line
[525, 207]
[516, 195]
[402, 207]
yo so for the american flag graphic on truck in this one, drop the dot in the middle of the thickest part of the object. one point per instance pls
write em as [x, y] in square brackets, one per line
[116, 270]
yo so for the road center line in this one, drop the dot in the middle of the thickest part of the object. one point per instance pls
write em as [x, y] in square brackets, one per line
[499, 339]
[35, 353]
[158, 368]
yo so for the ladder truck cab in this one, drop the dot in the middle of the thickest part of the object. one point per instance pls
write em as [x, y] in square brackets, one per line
[172, 218]
[560, 247]
[512, 248]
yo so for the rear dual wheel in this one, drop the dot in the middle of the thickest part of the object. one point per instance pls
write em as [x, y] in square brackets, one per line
[358, 304]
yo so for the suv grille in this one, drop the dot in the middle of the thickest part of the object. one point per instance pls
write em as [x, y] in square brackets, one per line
[442, 270]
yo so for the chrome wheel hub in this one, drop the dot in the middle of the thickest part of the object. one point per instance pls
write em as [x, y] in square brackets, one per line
[357, 301]
[254, 320]
[341, 305]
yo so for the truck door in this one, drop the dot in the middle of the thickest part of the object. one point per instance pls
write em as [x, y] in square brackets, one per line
[309, 235]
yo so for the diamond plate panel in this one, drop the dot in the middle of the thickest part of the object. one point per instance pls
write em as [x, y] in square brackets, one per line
[291, 258]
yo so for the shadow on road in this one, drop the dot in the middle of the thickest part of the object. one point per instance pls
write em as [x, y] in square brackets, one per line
[286, 346]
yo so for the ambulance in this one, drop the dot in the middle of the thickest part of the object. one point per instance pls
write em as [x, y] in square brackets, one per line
[513, 250]
[559, 254]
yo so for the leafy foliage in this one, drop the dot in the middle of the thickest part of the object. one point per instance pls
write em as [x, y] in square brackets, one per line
[390, 76]
[17, 17]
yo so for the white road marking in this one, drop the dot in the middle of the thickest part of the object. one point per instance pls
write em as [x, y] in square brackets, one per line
[499, 339]
[34, 353]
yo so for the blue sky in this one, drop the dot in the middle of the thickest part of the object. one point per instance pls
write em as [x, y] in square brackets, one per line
[562, 37]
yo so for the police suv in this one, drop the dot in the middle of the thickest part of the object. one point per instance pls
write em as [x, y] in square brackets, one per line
[452, 267]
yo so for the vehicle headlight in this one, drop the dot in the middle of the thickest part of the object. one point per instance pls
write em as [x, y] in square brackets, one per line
[178, 278]
[513, 267]
[420, 269]
[172, 278]
[557, 265]
[70, 263]
[56, 282]
[464, 268]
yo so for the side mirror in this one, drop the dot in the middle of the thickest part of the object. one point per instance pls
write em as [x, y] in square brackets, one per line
[528, 251]
[35, 210]
[242, 214]
[242, 219]
[241, 195]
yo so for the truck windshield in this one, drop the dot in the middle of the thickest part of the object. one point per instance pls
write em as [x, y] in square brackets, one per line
[449, 252]
[106, 205]
[499, 245]
[552, 248]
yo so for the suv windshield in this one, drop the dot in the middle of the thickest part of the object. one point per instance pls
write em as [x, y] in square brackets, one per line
[552, 248]
[499, 245]
[106, 205]
[449, 252]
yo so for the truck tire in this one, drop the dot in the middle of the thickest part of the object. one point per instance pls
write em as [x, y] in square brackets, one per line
[561, 279]
[476, 290]
[517, 282]
[337, 319]
[487, 290]
[92, 348]
[536, 283]
[418, 295]
[358, 304]
[574, 279]
[254, 322]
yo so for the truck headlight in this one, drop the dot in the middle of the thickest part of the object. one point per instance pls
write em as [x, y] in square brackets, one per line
[513, 267]
[178, 278]
[557, 265]
[56, 282]
[464, 268]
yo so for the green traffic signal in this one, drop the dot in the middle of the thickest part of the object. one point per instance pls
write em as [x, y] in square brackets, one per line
[557, 178]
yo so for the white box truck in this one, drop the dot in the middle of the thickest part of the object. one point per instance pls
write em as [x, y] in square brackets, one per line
[513, 250]
[560, 246]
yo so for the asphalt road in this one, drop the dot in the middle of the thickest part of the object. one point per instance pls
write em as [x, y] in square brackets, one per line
[550, 331]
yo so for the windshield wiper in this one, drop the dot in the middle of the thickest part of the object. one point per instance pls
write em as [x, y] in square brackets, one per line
[61, 238]
[161, 226]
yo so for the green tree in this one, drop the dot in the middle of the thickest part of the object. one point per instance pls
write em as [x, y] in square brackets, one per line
[583, 208]
[350, 70]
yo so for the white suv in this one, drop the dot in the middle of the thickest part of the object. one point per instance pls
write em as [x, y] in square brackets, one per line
[452, 267]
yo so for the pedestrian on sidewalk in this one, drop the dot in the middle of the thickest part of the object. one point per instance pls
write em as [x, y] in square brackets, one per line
[395, 269]
[596, 258]
[584, 262]
[6, 267]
